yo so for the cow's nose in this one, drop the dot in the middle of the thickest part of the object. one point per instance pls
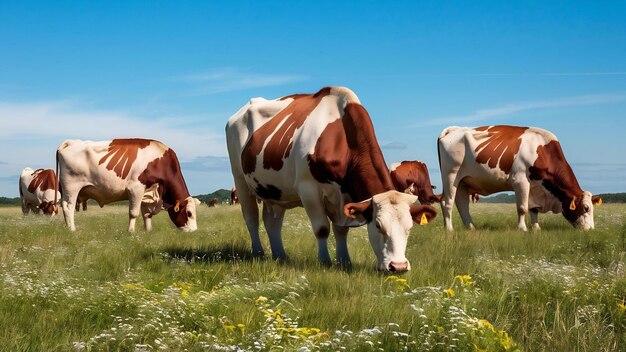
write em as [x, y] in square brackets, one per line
[398, 266]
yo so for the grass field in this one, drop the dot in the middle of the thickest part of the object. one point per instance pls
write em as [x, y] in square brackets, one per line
[493, 289]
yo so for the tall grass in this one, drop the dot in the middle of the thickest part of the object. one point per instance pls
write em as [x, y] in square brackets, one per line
[494, 289]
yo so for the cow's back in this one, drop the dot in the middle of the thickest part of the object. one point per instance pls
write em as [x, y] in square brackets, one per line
[269, 141]
[104, 169]
[488, 157]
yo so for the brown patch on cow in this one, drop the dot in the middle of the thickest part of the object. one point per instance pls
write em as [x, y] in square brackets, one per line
[172, 187]
[213, 202]
[43, 180]
[268, 191]
[557, 177]
[123, 153]
[501, 146]
[281, 128]
[178, 213]
[348, 153]
[416, 173]
[234, 197]
[49, 208]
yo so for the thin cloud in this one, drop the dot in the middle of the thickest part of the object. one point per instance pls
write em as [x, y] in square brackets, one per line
[394, 146]
[39, 126]
[509, 109]
[230, 80]
[207, 163]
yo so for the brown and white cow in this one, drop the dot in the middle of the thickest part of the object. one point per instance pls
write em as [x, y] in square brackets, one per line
[234, 198]
[39, 191]
[526, 160]
[412, 177]
[319, 151]
[143, 171]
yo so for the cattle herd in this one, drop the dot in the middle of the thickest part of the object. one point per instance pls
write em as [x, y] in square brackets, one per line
[319, 151]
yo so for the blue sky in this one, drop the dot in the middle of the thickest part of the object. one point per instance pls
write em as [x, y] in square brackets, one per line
[175, 71]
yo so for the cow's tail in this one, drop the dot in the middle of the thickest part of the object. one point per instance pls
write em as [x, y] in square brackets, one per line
[57, 187]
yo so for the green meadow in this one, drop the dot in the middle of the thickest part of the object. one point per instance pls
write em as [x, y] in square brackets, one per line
[493, 289]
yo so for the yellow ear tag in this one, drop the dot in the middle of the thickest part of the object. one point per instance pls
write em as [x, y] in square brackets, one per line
[423, 220]
[572, 205]
[177, 206]
[599, 202]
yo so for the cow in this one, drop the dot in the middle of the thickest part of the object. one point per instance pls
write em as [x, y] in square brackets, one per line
[213, 202]
[319, 151]
[412, 177]
[39, 191]
[145, 172]
[234, 199]
[526, 160]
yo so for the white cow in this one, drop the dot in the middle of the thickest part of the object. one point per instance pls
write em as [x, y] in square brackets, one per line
[319, 151]
[143, 171]
[526, 160]
[39, 191]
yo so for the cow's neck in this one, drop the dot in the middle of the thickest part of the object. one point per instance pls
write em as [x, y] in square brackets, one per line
[555, 173]
[366, 172]
[166, 172]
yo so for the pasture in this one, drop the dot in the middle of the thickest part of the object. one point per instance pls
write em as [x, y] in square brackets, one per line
[493, 289]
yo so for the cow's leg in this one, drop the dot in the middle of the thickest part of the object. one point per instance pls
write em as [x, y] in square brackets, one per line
[449, 190]
[273, 222]
[522, 191]
[462, 201]
[69, 197]
[534, 219]
[319, 220]
[250, 211]
[25, 207]
[341, 239]
[134, 206]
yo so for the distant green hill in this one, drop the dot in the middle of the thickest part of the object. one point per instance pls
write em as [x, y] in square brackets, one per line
[222, 195]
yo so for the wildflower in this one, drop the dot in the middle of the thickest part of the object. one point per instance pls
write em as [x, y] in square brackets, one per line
[449, 292]
[261, 299]
[229, 328]
[440, 329]
[465, 280]
[241, 327]
[621, 306]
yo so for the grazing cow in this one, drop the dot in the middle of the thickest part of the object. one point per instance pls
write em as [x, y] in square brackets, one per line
[319, 151]
[213, 202]
[143, 171]
[39, 191]
[526, 160]
[412, 177]
[234, 198]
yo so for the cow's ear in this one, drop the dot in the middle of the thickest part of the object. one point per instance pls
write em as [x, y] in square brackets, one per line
[422, 214]
[596, 200]
[352, 210]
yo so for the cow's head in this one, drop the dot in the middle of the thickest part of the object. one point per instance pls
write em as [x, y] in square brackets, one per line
[183, 214]
[579, 210]
[49, 208]
[392, 216]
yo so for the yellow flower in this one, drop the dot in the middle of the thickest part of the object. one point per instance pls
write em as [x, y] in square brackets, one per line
[229, 328]
[621, 306]
[449, 292]
[261, 299]
[465, 280]
[440, 329]
[486, 324]
[241, 327]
